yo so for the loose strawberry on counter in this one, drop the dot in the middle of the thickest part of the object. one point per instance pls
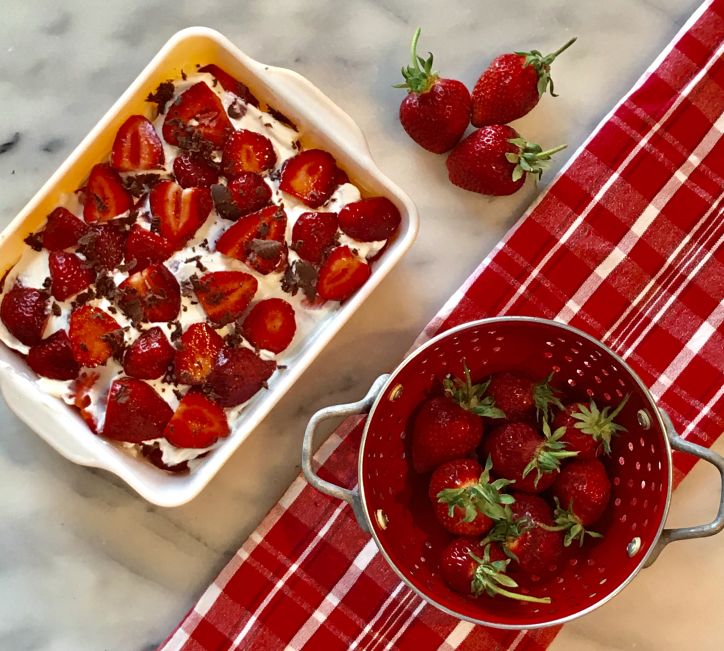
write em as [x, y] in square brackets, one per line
[521, 399]
[588, 428]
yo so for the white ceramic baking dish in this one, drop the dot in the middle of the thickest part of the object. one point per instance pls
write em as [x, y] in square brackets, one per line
[321, 123]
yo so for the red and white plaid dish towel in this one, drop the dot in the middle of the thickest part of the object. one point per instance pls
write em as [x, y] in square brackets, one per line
[626, 244]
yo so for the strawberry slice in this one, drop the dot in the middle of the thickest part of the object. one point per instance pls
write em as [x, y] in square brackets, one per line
[257, 239]
[370, 220]
[53, 357]
[94, 335]
[69, 275]
[310, 176]
[62, 230]
[105, 196]
[24, 311]
[144, 248]
[196, 113]
[180, 212]
[149, 356]
[239, 374]
[340, 177]
[313, 233]
[196, 356]
[80, 389]
[247, 151]
[135, 412]
[198, 422]
[137, 146]
[192, 171]
[102, 245]
[270, 325]
[155, 455]
[341, 275]
[224, 295]
[230, 84]
[152, 294]
[246, 193]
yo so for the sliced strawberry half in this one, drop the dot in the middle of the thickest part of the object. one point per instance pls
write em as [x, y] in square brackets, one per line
[145, 247]
[192, 171]
[137, 146]
[135, 412]
[53, 357]
[257, 239]
[94, 335]
[239, 374]
[180, 212]
[249, 192]
[105, 196]
[197, 112]
[62, 230]
[69, 275]
[370, 220]
[340, 177]
[80, 389]
[231, 84]
[247, 151]
[149, 356]
[313, 233]
[24, 311]
[270, 325]
[224, 295]
[198, 422]
[197, 353]
[152, 294]
[341, 275]
[310, 176]
[103, 245]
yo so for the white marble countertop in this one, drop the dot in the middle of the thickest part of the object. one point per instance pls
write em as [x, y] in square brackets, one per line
[85, 564]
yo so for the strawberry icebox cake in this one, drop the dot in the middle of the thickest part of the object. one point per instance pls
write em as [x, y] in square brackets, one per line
[172, 287]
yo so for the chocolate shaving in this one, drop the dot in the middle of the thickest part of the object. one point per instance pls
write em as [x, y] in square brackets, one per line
[178, 394]
[122, 394]
[140, 184]
[83, 298]
[190, 139]
[264, 249]
[162, 96]
[55, 309]
[47, 283]
[275, 175]
[115, 340]
[297, 145]
[132, 305]
[183, 75]
[237, 109]
[34, 241]
[106, 287]
[154, 224]
[301, 275]
[223, 202]
[176, 331]
[278, 115]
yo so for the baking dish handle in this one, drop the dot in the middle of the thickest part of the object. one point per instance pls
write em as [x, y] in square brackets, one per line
[702, 530]
[351, 496]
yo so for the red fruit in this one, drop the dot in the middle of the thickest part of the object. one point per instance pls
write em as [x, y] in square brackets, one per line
[464, 499]
[230, 84]
[152, 294]
[69, 274]
[144, 247]
[137, 146]
[247, 151]
[103, 246]
[341, 275]
[246, 193]
[310, 176]
[224, 295]
[313, 233]
[105, 196]
[197, 354]
[53, 357]
[257, 239]
[450, 426]
[94, 334]
[196, 113]
[135, 412]
[436, 111]
[180, 212]
[512, 85]
[239, 374]
[270, 325]
[149, 356]
[192, 171]
[495, 159]
[370, 220]
[24, 311]
[340, 178]
[474, 569]
[521, 454]
[588, 429]
[62, 230]
[155, 455]
[521, 398]
[197, 422]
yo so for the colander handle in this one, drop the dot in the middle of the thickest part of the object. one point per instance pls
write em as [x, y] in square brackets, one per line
[702, 530]
[351, 496]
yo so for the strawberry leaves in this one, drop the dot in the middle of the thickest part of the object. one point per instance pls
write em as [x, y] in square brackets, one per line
[566, 520]
[542, 65]
[490, 578]
[599, 422]
[549, 454]
[530, 158]
[471, 397]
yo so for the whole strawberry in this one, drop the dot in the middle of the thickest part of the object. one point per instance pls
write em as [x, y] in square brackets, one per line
[588, 428]
[436, 111]
[512, 85]
[520, 397]
[495, 160]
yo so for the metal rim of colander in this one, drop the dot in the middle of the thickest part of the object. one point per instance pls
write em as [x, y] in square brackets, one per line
[492, 321]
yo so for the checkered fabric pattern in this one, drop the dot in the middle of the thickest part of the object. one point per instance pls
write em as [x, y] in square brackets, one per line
[626, 244]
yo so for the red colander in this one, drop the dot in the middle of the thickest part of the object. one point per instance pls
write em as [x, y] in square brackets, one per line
[391, 501]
